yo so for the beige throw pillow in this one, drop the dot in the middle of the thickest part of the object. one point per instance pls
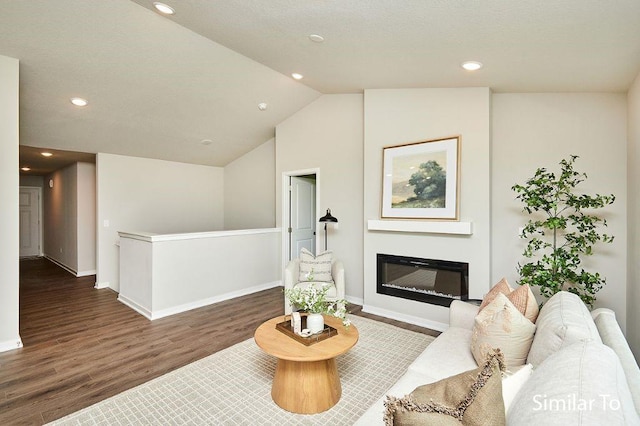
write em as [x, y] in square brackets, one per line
[470, 398]
[315, 268]
[501, 287]
[523, 299]
[501, 325]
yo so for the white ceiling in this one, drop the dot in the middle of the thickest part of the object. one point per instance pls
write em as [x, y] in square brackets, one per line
[158, 86]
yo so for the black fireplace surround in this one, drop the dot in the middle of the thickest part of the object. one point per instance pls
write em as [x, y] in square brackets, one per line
[432, 281]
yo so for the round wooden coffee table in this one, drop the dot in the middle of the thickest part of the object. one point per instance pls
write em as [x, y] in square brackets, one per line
[306, 380]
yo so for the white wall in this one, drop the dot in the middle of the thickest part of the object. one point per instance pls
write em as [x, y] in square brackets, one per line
[633, 180]
[249, 189]
[538, 130]
[327, 135]
[140, 194]
[394, 117]
[60, 206]
[86, 205]
[9, 224]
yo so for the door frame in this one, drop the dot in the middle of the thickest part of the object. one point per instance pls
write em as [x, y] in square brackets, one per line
[40, 217]
[286, 209]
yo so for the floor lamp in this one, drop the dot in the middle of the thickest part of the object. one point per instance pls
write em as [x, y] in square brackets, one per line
[326, 219]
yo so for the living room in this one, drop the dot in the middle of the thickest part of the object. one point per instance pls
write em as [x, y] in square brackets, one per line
[505, 136]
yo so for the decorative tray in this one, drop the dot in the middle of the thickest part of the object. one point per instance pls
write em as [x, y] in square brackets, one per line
[285, 327]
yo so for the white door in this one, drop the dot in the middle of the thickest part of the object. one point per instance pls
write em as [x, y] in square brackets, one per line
[29, 221]
[302, 215]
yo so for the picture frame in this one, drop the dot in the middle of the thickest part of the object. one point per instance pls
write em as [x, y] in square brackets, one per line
[421, 179]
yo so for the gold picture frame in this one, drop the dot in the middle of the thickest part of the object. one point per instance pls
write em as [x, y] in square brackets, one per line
[421, 180]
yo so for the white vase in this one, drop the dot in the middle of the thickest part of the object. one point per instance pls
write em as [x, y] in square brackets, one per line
[315, 323]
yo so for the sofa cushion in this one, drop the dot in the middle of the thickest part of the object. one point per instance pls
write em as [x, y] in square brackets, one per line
[470, 398]
[501, 325]
[581, 384]
[449, 354]
[315, 268]
[563, 320]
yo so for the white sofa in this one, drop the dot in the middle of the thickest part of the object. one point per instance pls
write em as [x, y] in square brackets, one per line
[577, 357]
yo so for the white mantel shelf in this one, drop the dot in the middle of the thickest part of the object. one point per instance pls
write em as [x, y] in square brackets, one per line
[436, 227]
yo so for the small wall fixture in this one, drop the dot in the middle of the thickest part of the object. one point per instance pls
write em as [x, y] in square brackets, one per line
[327, 219]
[50, 183]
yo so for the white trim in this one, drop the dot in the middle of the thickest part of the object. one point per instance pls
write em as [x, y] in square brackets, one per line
[151, 315]
[355, 300]
[85, 273]
[433, 325]
[101, 285]
[285, 210]
[11, 344]
[60, 264]
[211, 300]
[136, 307]
[436, 227]
[152, 238]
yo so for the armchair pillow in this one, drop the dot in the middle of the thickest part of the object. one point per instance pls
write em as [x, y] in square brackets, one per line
[315, 268]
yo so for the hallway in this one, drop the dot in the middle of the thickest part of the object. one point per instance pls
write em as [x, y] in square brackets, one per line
[82, 346]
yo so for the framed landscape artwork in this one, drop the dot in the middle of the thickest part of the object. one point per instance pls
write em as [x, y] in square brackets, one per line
[420, 180]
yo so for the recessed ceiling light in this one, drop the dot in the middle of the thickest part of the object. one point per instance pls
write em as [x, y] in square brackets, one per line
[206, 142]
[472, 65]
[79, 102]
[297, 76]
[163, 8]
[46, 154]
[262, 106]
[25, 169]
[316, 38]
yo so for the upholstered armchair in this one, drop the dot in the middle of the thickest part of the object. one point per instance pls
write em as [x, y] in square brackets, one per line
[292, 275]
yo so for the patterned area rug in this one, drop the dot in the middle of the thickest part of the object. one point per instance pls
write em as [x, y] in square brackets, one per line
[233, 386]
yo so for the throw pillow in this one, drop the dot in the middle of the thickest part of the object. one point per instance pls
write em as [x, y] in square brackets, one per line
[523, 299]
[315, 268]
[564, 319]
[501, 325]
[511, 384]
[501, 287]
[470, 398]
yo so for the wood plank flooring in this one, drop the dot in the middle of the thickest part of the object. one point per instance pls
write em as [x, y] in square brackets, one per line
[82, 346]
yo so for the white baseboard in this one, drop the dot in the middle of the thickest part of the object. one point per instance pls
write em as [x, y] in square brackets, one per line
[85, 273]
[136, 307]
[433, 325]
[11, 344]
[211, 300]
[154, 315]
[355, 300]
[104, 284]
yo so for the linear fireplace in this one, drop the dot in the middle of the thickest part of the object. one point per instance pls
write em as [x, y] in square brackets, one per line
[426, 280]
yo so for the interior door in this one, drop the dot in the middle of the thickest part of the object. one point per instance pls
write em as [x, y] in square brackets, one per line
[29, 221]
[303, 215]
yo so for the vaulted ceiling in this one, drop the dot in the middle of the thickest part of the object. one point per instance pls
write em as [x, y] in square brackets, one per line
[158, 86]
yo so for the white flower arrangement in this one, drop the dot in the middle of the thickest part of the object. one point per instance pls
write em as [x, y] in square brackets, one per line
[313, 299]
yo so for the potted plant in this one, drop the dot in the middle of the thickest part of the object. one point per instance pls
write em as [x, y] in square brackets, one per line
[313, 299]
[560, 232]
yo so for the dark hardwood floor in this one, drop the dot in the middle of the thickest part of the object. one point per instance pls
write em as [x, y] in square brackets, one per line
[82, 346]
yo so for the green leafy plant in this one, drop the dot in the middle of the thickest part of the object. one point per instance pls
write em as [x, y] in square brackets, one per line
[561, 233]
[313, 299]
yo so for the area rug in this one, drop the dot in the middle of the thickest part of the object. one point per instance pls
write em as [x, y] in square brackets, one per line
[233, 386]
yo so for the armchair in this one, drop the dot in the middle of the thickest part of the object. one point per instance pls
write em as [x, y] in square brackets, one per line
[291, 275]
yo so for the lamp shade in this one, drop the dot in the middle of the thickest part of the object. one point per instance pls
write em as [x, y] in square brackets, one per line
[328, 217]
